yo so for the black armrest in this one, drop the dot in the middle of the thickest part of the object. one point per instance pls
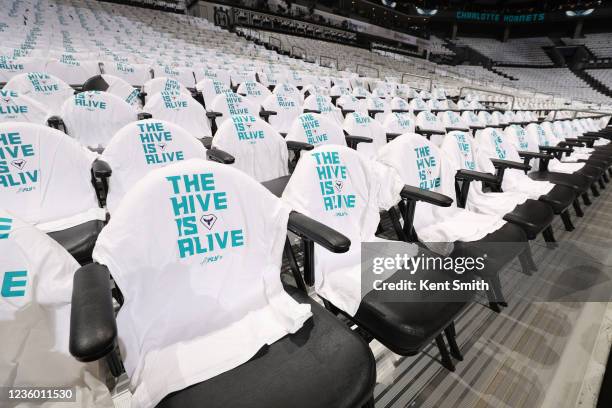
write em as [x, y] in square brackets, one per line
[391, 136]
[93, 329]
[509, 164]
[430, 131]
[471, 175]
[555, 149]
[346, 111]
[219, 156]
[419, 194]
[101, 169]
[56, 122]
[307, 228]
[298, 146]
[588, 141]
[373, 112]
[212, 115]
[311, 111]
[265, 114]
[207, 141]
[534, 155]
[144, 115]
[353, 141]
[400, 110]
[571, 142]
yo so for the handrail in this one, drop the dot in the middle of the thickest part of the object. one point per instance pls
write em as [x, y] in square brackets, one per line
[417, 76]
[330, 59]
[369, 67]
[280, 42]
[472, 88]
[296, 47]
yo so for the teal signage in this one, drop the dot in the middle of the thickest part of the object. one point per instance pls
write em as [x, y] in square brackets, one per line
[500, 18]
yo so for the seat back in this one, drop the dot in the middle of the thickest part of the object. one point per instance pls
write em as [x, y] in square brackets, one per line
[417, 104]
[459, 147]
[399, 103]
[219, 75]
[133, 74]
[357, 124]
[376, 103]
[287, 110]
[141, 147]
[399, 123]
[42, 87]
[259, 150]
[19, 108]
[471, 119]
[452, 120]
[229, 103]
[71, 70]
[210, 89]
[344, 190]
[10, 67]
[93, 117]
[211, 238]
[45, 177]
[181, 109]
[183, 75]
[36, 279]
[288, 89]
[116, 86]
[254, 91]
[322, 104]
[316, 129]
[159, 84]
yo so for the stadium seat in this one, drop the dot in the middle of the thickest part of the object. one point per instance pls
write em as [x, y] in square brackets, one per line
[222, 360]
[42, 87]
[181, 109]
[116, 86]
[19, 108]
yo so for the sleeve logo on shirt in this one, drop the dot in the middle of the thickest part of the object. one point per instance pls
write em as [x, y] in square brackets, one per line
[155, 141]
[426, 163]
[13, 164]
[195, 198]
[332, 175]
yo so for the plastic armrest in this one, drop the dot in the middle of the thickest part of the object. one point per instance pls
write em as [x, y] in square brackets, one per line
[328, 238]
[391, 136]
[207, 141]
[144, 115]
[55, 122]
[298, 146]
[400, 110]
[509, 164]
[353, 141]
[219, 156]
[554, 149]
[419, 194]
[572, 143]
[93, 329]
[347, 111]
[101, 169]
[212, 115]
[471, 175]
[534, 155]
[265, 114]
[311, 111]
[373, 112]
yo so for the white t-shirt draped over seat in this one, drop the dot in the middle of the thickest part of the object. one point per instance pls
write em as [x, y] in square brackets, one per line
[229, 104]
[37, 275]
[344, 190]
[287, 110]
[72, 70]
[93, 117]
[159, 84]
[491, 145]
[422, 164]
[260, 151]
[356, 124]
[10, 67]
[42, 87]
[530, 138]
[316, 129]
[45, 177]
[133, 74]
[210, 238]
[459, 148]
[15, 107]
[123, 90]
[181, 109]
[142, 146]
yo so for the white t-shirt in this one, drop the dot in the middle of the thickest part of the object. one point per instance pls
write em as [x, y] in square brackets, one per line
[421, 164]
[210, 238]
[19, 108]
[142, 146]
[123, 90]
[181, 109]
[93, 117]
[36, 279]
[42, 87]
[344, 190]
[45, 177]
[259, 150]
[316, 130]
[357, 124]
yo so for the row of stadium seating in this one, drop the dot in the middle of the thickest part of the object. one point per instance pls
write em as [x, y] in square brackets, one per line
[180, 164]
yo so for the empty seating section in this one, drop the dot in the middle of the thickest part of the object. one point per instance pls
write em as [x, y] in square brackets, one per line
[524, 51]
[602, 75]
[599, 44]
[438, 46]
[160, 177]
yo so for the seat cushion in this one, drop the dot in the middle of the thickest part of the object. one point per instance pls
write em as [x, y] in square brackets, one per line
[323, 365]
[79, 240]
[578, 182]
[277, 185]
[532, 216]
[559, 198]
[500, 247]
[406, 326]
